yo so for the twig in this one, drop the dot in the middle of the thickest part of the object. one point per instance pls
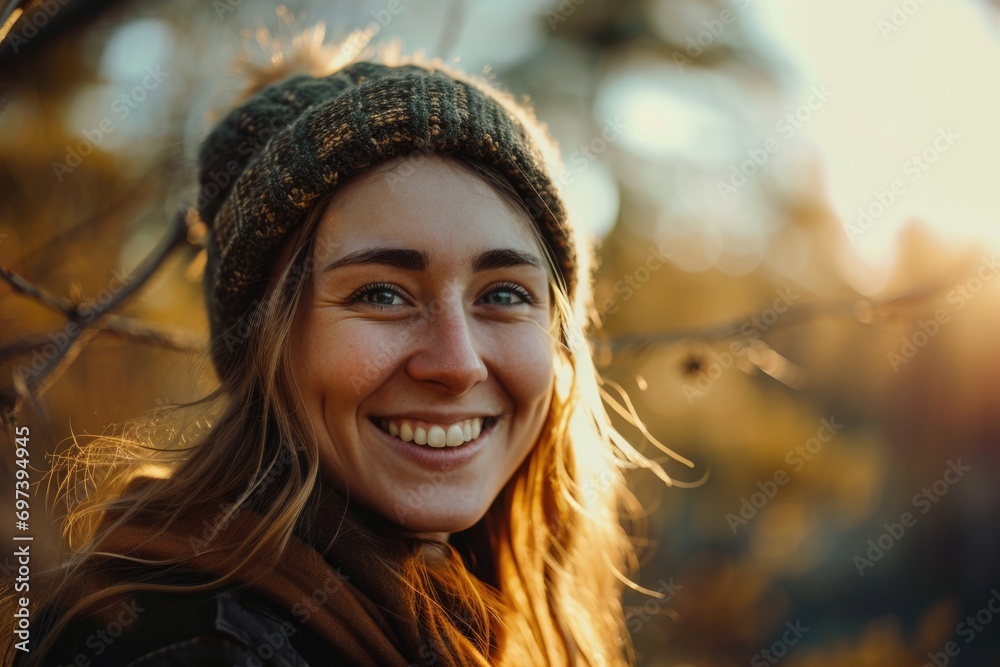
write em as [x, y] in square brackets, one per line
[59, 304]
[136, 192]
[178, 340]
[81, 329]
[794, 315]
[6, 9]
[176, 235]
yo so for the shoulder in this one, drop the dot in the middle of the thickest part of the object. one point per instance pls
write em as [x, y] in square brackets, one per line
[160, 629]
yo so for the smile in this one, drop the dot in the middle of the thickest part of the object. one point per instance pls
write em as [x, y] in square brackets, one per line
[421, 432]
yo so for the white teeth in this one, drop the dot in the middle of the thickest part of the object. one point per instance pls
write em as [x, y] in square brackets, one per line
[455, 435]
[434, 435]
[405, 432]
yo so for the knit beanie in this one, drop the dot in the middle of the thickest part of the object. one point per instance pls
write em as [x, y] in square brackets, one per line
[266, 162]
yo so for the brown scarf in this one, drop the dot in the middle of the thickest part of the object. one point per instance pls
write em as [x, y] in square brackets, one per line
[350, 598]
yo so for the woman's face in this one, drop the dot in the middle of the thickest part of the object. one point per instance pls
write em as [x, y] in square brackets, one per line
[423, 348]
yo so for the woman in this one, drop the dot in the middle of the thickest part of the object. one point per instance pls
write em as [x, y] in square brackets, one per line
[411, 463]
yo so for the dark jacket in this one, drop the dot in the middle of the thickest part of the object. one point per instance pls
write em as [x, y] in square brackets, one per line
[222, 628]
[331, 600]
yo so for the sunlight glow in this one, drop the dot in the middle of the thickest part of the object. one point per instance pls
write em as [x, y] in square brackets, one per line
[660, 116]
[11, 20]
[910, 131]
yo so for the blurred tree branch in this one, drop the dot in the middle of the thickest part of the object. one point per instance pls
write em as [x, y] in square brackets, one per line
[84, 321]
[59, 18]
[127, 202]
[864, 310]
[29, 289]
[758, 353]
[451, 29]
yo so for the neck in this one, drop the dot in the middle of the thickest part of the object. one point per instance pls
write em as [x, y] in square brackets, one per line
[440, 537]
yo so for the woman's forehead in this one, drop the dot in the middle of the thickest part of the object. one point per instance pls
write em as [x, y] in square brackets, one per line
[429, 204]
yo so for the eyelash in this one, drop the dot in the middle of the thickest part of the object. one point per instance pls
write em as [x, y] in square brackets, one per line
[358, 296]
[372, 288]
[524, 294]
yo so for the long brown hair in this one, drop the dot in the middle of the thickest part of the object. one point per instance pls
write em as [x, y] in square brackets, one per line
[543, 570]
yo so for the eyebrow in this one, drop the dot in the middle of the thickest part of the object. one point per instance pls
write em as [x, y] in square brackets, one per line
[411, 260]
[502, 258]
[415, 260]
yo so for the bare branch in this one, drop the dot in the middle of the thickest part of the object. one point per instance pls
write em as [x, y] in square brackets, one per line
[23, 345]
[170, 338]
[36, 384]
[861, 309]
[59, 304]
[176, 236]
[127, 201]
[69, 341]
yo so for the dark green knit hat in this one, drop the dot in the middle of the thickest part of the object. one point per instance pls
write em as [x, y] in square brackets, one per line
[268, 160]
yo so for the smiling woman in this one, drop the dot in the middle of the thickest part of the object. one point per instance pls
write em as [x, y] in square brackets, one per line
[410, 461]
[424, 350]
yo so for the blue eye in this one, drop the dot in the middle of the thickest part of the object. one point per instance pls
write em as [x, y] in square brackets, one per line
[508, 294]
[377, 295]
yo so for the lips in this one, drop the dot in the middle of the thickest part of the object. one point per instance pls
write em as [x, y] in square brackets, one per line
[432, 434]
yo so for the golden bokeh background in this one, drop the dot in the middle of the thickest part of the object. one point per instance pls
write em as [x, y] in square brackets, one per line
[795, 206]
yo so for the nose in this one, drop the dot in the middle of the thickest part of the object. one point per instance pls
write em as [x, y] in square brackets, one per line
[447, 354]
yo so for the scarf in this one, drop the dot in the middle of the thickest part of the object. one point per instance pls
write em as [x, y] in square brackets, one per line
[332, 575]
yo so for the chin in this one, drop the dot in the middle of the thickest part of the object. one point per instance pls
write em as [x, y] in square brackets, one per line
[442, 522]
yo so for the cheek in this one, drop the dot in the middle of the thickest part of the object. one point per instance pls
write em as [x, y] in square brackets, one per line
[525, 367]
[342, 364]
